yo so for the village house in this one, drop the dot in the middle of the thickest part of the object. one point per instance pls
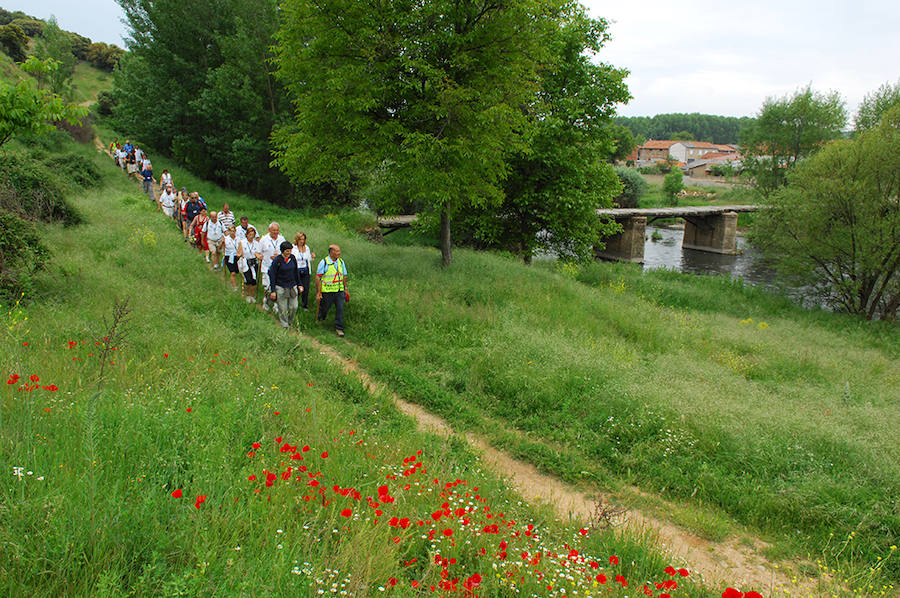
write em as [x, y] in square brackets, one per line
[655, 150]
[688, 151]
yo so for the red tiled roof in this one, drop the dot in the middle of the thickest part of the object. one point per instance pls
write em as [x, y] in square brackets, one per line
[658, 144]
[724, 148]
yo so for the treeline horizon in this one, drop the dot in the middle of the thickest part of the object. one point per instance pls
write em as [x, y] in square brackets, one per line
[692, 126]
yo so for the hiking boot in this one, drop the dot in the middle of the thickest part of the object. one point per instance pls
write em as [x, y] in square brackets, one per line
[340, 333]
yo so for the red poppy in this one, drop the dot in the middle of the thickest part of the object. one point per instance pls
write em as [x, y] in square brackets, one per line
[278, 440]
[683, 572]
[11, 381]
[177, 493]
[732, 593]
[392, 581]
[325, 455]
[305, 448]
[613, 560]
[252, 477]
[188, 409]
[670, 570]
[448, 532]
[52, 388]
[166, 355]
[621, 580]
[601, 578]
[34, 378]
[277, 413]
[346, 512]
[752, 594]
[200, 500]
[255, 445]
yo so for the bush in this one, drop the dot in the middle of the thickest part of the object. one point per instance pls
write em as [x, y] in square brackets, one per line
[30, 190]
[672, 185]
[21, 254]
[75, 168]
[106, 101]
[633, 187]
[82, 132]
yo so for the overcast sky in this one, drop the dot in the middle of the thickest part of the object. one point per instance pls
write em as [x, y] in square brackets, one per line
[710, 56]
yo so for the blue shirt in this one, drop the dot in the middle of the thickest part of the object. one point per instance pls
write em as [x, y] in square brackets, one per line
[148, 175]
[341, 266]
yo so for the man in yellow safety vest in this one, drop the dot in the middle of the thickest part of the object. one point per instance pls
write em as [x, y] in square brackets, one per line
[332, 287]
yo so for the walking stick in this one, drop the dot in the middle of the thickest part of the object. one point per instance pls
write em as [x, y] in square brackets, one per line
[258, 285]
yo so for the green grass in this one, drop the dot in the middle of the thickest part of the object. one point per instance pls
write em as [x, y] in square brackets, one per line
[701, 390]
[197, 378]
[88, 81]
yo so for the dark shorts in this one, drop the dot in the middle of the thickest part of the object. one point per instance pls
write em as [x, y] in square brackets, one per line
[231, 265]
[250, 274]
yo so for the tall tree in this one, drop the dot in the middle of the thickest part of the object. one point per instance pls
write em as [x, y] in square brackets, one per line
[875, 104]
[836, 225]
[423, 98]
[56, 44]
[198, 83]
[787, 130]
[561, 177]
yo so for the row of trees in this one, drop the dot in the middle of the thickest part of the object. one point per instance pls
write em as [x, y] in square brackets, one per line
[487, 116]
[694, 126]
[198, 83]
[833, 217]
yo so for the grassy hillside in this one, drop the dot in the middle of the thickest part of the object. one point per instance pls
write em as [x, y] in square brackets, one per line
[750, 413]
[87, 81]
[165, 453]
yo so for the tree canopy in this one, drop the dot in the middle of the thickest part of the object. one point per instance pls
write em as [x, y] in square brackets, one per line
[875, 104]
[26, 109]
[705, 127]
[787, 130]
[836, 225]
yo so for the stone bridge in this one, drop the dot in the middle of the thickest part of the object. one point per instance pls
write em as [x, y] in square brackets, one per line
[706, 228]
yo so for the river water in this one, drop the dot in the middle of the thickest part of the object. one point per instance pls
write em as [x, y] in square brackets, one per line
[666, 252]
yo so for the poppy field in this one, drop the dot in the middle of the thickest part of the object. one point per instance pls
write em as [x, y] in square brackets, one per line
[192, 448]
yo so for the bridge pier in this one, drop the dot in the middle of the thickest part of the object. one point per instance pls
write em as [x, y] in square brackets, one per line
[716, 233]
[627, 246]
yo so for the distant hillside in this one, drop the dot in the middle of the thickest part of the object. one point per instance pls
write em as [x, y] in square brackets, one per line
[87, 81]
[696, 126]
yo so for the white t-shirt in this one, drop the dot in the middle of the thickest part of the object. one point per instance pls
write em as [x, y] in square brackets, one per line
[231, 246]
[167, 199]
[304, 259]
[165, 179]
[242, 234]
[249, 251]
[213, 230]
[270, 249]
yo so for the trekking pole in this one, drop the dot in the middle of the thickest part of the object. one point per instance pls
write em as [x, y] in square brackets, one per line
[258, 281]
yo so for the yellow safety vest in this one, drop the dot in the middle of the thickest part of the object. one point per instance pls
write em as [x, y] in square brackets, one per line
[333, 278]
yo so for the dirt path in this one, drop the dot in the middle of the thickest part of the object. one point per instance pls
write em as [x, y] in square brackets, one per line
[721, 564]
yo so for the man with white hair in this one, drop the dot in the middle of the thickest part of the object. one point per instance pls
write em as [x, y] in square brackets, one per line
[270, 247]
[215, 238]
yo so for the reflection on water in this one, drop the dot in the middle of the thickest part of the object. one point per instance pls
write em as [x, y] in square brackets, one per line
[666, 252]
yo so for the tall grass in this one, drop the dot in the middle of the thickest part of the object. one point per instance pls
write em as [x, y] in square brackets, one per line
[193, 381]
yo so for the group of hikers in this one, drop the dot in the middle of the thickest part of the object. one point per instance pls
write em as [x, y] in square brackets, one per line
[233, 244]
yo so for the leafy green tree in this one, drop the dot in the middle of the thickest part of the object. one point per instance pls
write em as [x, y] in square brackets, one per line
[624, 142]
[27, 109]
[788, 130]
[682, 136]
[556, 183]
[31, 27]
[672, 185]
[634, 186]
[104, 56]
[836, 226]
[875, 104]
[198, 84]
[56, 44]
[423, 99]
[13, 41]
[80, 45]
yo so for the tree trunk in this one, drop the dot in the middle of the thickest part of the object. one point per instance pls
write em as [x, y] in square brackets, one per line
[446, 247]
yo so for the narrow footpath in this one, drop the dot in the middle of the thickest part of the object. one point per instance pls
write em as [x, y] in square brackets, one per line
[733, 562]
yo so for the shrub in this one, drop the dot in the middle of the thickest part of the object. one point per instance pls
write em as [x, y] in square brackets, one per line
[21, 254]
[633, 187]
[82, 132]
[75, 168]
[30, 190]
[106, 101]
[672, 184]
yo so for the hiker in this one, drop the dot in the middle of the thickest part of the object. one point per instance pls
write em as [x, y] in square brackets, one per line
[304, 256]
[147, 175]
[284, 284]
[332, 287]
[230, 249]
[249, 254]
[198, 224]
[226, 217]
[243, 228]
[215, 238]
[166, 201]
[165, 179]
[270, 248]
[191, 211]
